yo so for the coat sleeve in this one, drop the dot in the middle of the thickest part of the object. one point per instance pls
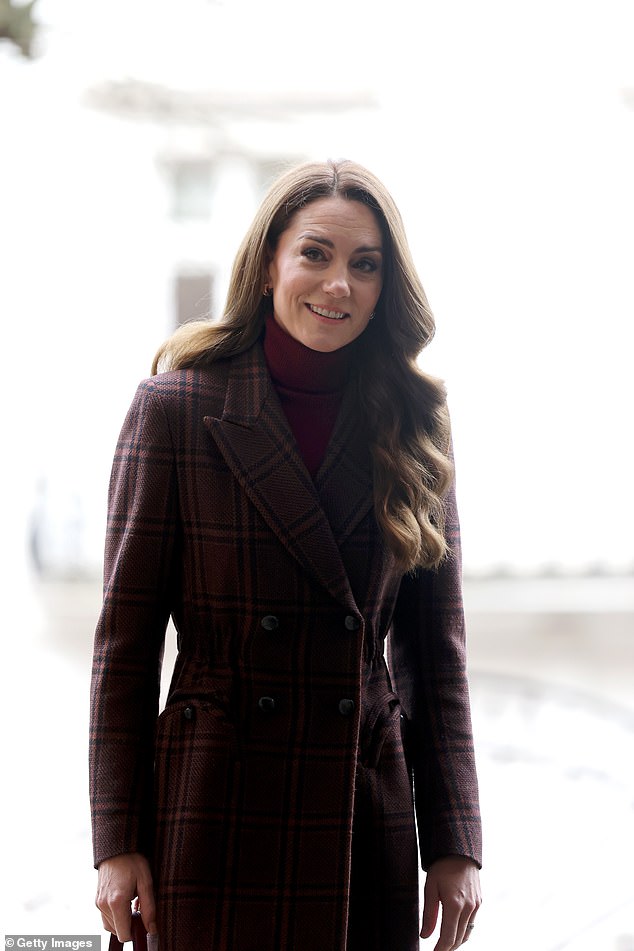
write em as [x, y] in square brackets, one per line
[139, 556]
[427, 657]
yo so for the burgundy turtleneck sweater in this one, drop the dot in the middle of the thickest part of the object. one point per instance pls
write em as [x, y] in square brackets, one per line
[310, 386]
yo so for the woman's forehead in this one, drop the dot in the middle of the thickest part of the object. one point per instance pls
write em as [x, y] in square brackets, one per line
[337, 215]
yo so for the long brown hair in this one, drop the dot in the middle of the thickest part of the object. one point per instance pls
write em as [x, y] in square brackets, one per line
[404, 409]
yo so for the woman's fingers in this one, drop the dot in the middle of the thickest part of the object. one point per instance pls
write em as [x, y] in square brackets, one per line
[454, 883]
[122, 879]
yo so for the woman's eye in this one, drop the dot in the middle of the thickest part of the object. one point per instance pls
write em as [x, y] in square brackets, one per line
[368, 265]
[313, 254]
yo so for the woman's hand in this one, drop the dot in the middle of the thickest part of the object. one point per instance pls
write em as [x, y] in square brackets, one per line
[122, 879]
[454, 883]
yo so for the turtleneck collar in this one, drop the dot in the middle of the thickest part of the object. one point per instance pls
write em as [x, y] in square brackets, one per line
[297, 367]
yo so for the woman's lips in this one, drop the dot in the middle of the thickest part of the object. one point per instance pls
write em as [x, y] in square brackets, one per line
[324, 312]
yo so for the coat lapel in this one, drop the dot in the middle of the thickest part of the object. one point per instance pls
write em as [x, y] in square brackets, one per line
[310, 518]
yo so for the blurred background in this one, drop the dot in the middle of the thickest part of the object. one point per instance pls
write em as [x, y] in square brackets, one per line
[136, 140]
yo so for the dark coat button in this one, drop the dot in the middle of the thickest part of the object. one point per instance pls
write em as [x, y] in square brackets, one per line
[266, 704]
[346, 707]
[270, 622]
[188, 713]
[352, 623]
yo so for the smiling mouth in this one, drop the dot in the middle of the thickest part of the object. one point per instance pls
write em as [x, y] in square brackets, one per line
[331, 314]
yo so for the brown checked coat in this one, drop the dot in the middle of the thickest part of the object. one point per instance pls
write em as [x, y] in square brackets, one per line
[272, 795]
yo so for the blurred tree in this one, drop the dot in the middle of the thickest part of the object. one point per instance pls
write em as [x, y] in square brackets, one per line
[17, 25]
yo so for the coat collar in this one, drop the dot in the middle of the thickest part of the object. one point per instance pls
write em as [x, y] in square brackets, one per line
[312, 519]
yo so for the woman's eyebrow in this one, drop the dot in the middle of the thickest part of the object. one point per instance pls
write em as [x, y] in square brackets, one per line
[364, 249]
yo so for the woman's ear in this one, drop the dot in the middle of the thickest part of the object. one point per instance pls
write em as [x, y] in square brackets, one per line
[266, 277]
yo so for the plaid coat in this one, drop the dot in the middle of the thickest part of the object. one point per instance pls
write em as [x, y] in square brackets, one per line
[272, 794]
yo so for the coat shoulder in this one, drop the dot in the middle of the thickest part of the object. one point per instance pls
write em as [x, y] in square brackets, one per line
[201, 390]
[192, 381]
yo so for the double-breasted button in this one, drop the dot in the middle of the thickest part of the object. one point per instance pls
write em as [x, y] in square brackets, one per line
[352, 623]
[346, 707]
[270, 623]
[266, 704]
[188, 713]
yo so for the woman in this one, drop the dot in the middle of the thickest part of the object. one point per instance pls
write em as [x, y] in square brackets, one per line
[282, 489]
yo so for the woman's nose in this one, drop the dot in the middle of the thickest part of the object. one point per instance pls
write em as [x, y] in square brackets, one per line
[336, 284]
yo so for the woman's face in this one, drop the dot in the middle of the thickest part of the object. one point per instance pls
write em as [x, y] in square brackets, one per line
[327, 273]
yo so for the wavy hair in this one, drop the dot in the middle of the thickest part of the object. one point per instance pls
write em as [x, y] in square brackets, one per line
[404, 409]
